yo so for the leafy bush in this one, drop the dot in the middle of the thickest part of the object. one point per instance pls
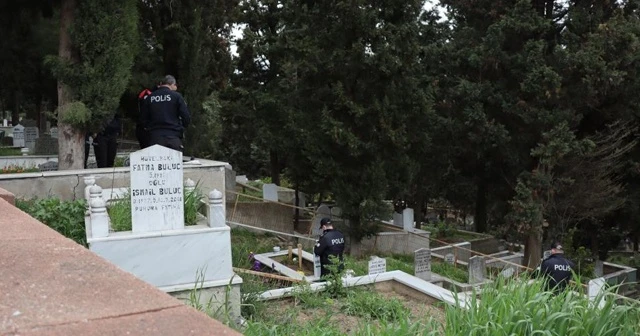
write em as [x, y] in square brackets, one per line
[66, 217]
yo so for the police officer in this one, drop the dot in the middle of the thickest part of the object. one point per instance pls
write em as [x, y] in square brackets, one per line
[165, 115]
[557, 269]
[330, 243]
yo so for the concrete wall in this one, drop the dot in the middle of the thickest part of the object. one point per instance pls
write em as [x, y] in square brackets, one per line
[29, 161]
[264, 215]
[53, 286]
[487, 245]
[68, 184]
[401, 242]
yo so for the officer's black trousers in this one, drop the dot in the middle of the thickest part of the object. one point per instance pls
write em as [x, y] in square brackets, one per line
[168, 141]
[106, 151]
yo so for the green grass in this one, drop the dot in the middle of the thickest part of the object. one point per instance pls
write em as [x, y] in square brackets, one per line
[369, 304]
[66, 217]
[10, 151]
[400, 262]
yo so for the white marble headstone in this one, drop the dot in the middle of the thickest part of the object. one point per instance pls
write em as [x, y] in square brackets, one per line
[422, 259]
[477, 270]
[157, 194]
[54, 132]
[270, 192]
[5, 123]
[377, 265]
[18, 136]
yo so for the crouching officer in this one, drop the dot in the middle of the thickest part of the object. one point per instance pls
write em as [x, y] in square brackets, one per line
[165, 115]
[330, 243]
[557, 269]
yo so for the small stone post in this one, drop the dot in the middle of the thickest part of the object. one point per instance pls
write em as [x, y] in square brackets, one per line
[216, 210]
[95, 191]
[89, 181]
[189, 186]
[99, 218]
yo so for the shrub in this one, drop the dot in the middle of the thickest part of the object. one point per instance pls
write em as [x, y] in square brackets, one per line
[15, 169]
[66, 217]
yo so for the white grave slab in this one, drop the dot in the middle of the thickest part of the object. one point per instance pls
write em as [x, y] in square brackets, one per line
[157, 194]
[422, 259]
[5, 123]
[18, 136]
[377, 265]
[407, 219]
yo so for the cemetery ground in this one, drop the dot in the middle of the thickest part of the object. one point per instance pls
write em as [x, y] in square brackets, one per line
[503, 308]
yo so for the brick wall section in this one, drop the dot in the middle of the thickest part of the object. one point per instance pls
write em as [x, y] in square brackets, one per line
[7, 196]
[53, 286]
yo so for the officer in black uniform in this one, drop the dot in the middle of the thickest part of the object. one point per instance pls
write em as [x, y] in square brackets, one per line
[557, 269]
[165, 115]
[330, 243]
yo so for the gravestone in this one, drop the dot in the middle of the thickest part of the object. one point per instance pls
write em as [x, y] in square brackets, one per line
[54, 132]
[422, 266]
[317, 266]
[30, 136]
[507, 272]
[322, 212]
[449, 258]
[598, 269]
[377, 265]
[270, 192]
[46, 145]
[477, 270]
[397, 219]
[157, 193]
[546, 255]
[5, 123]
[18, 136]
[48, 166]
[407, 219]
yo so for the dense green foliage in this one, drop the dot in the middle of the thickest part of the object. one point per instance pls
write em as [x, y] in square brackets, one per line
[66, 217]
[521, 112]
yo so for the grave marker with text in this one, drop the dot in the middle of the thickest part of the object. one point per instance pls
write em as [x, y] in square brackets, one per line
[18, 136]
[422, 259]
[30, 136]
[157, 192]
[377, 265]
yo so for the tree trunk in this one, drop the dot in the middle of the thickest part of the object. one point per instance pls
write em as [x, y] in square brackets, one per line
[533, 250]
[481, 206]
[70, 140]
[275, 167]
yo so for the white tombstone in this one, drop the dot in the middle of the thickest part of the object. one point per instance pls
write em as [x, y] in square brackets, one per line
[422, 264]
[377, 265]
[24, 151]
[595, 291]
[270, 192]
[30, 136]
[317, 266]
[157, 192]
[18, 136]
[397, 219]
[407, 219]
[450, 258]
[5, 123]
[217, 210]
[546, 254]
[54, 132]
[507, 272]
[477, 270]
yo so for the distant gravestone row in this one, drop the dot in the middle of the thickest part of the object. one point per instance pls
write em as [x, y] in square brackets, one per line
[26, 134]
